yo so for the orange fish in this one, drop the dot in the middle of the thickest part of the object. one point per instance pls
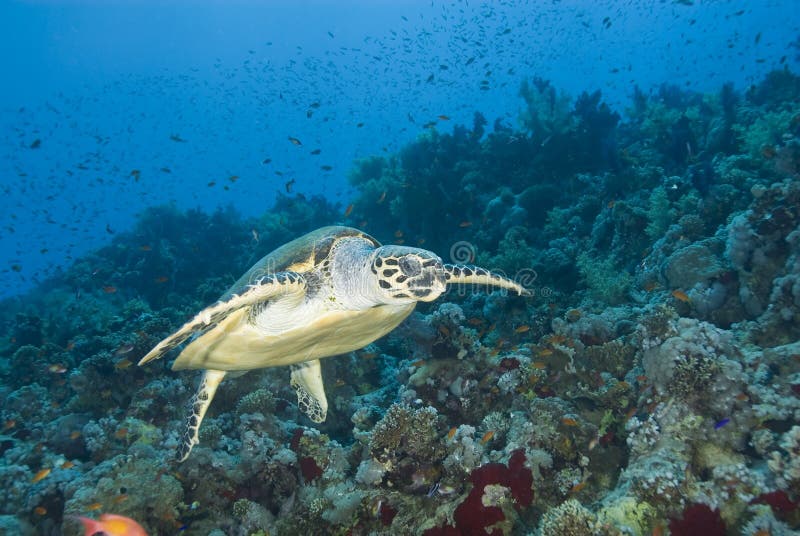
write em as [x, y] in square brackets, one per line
[487, 437]
[577, 487]
[40, 511]
[568, 421]
[112, 525]
[41, 475]
[122, 433]
[544, 352]
[120, 498]
[522, 329]
[418, 363]
[9, 424]
[161, 279]
[680, 295]
[94, 506]
[67, 465]
[475, 321]
[398, 234]
[451, 433]
[348, 210]
[464, 224]
[145, 248]
[108, 289]
[539, 365]
[75, 435]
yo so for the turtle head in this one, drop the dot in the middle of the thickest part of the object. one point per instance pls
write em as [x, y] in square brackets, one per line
[407, 275]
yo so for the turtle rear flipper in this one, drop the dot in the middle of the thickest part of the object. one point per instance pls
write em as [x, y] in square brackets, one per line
[265, 288]
[465, 274]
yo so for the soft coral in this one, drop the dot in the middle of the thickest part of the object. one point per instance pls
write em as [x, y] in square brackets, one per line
[472, 516]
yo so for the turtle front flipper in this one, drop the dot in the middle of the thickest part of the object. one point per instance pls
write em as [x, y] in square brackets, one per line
[465, 274]
[263, 289]
[307, 382]
[200, 402]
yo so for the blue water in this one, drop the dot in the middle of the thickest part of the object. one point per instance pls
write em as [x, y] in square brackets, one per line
[103, 86]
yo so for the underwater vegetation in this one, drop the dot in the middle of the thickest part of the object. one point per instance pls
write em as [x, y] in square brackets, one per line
[650, 386]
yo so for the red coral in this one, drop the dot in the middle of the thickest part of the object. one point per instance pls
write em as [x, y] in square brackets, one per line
[509, 363]
[698, 519]
[387, 514]
[471, 516]
[309, 468]
[779, 501]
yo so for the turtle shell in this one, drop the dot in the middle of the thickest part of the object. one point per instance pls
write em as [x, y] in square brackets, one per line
[303, 330]
[301, 255]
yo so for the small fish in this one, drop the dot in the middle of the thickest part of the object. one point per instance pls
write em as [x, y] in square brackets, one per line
[680, 295]
[67, 465]
[522, 329]
[381, 198]
[145, 248]
[452, 432]
[418, 363]
[398, 234]
[112, 525]
[123, 364]
[539, 365]
[289, 185]
[40, 511]
[720, 424]
[475, 321]
[233, 178]
[109, 289]
[94, 506]
[348, 210]
[211, 184]
[57, 368]
[577, 487]
[120, 498]
[544, 352]
[161, 279]
[266, 161]
[487, 437]
[41, 475]
[443, 117]
[122, 433]
[75, 435]
[9, 424]
[295, 141]
[359, 125]
[326, 168]
[465, 224]
[569, 421]
[316, 152]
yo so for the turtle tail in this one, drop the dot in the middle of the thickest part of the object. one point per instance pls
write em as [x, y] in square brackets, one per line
[200, 402]
[466, 274]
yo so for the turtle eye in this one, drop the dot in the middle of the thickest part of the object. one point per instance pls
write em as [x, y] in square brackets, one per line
[410, 265]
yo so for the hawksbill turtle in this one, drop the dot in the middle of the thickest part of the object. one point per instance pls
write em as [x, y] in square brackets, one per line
[329, 292]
